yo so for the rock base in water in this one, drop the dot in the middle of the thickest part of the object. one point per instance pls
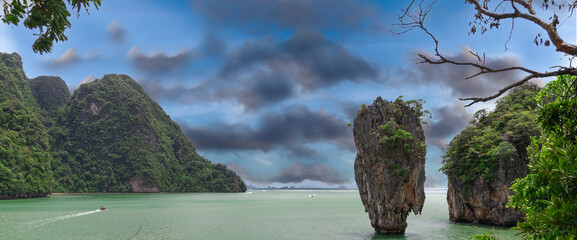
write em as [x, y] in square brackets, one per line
[486, 203]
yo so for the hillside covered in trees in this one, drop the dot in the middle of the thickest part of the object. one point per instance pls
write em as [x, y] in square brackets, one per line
[110, 136]
[483, 160]
[24, 144]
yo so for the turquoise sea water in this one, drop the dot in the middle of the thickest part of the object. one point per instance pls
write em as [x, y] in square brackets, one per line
[260, 214]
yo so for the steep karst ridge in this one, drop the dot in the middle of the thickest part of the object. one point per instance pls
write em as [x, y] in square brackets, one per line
[50, 92]
[110, 137]
[115, 138]
[14, 83]
[390, 162]
[484, 159]
[25, 158]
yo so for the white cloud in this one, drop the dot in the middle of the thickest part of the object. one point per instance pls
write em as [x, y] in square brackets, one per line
[71, 56]
[68, 56]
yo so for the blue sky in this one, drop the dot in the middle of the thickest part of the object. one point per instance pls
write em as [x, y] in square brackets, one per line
[267, 86]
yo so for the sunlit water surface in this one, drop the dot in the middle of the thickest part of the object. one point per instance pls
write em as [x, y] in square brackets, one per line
[259, 214]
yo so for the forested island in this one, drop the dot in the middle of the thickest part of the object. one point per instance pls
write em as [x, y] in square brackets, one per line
[110, 136]
[517, 164]
[484, 159]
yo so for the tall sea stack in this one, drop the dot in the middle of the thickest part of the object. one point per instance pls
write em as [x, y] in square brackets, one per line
[390, 162]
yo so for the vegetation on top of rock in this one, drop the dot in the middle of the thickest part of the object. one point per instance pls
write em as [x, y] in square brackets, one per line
[14, 83]
[51, 93]
[113, 137]
[392, 135]
[503, 134]
[547, 194]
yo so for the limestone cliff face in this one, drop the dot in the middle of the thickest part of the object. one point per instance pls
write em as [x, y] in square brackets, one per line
[483, 202]
[139, 185]
[390, 163]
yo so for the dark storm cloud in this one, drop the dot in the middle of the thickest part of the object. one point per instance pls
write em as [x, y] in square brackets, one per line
[159, 62]
[262, 16]
[327, 62]
[298, 172]
[454, 76]
[116, 31]
[308, 57]
[212, 45]
[265, 72]
[293, 128]
[450, 120]
[260, 88]
[253, 91]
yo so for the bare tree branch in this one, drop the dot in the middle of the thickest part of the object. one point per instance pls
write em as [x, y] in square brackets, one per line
[516, 84]
[406, 11]
[550, 28]
[526, 5]
[417, 20]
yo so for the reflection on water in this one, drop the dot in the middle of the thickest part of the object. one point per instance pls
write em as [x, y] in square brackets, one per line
[378, 236]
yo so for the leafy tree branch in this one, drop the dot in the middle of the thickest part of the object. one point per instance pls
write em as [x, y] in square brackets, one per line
[48, 17]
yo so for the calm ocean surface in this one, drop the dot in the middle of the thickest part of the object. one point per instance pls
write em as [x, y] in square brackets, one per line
[261, 214]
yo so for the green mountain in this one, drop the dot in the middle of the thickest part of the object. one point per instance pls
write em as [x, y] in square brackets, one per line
[50, 92]
[25, 158]
[113, 137]
[109, 137]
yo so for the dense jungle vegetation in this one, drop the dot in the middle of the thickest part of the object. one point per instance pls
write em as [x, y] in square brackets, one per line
[25, 158]
[112, 133]
[504, 133]
[547, 194]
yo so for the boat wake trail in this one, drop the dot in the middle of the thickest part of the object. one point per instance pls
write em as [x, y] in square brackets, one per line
[42, 222]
